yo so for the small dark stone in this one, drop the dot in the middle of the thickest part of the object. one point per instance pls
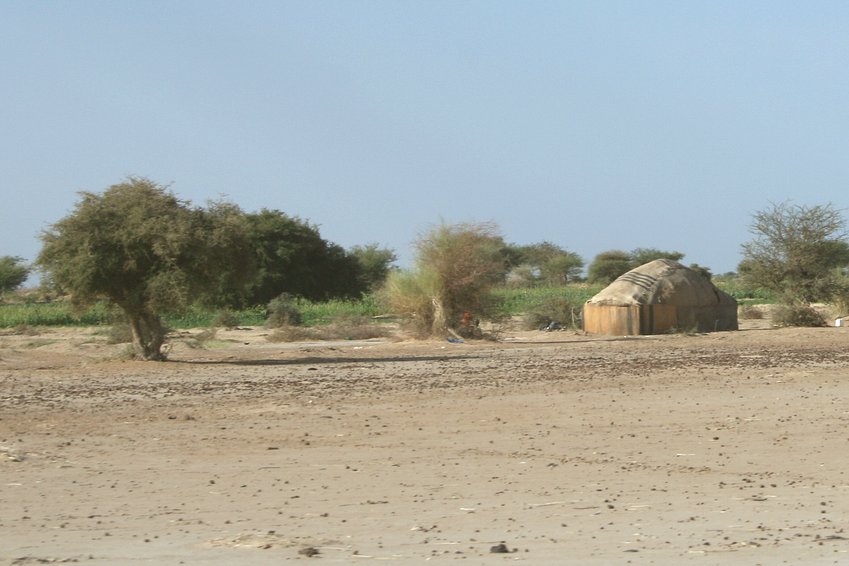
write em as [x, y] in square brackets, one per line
[499, 549]
[309, 551]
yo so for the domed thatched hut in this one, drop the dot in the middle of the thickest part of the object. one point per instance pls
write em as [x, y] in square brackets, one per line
[659, 297]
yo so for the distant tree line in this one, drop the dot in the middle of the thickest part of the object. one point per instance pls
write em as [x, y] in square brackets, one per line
[148, 252]
[609, 265]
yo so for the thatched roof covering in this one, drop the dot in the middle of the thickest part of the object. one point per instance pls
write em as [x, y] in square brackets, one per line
[662, 281]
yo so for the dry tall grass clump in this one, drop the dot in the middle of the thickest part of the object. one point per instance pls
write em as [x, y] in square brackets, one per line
[345, 328]
[449, 287]
[412, 293]
[797, 315]
[284, 311]
[750, 312]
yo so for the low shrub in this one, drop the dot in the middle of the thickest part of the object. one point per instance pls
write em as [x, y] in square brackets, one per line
[200, 340]
[345, 328]
[355, 328]
[119, 333]
[840, 302]
[750, 312]
[553, 313]
[797, 315]
[225, 319]
[284, 311]
[287, 333]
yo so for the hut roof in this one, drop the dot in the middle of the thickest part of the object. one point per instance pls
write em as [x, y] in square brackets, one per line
[662, 281]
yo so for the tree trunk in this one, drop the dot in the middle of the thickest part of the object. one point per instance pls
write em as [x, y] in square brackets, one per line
[440, 320]
[148, 335]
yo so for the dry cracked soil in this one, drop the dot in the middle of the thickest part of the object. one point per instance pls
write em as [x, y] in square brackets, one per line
[542, 448]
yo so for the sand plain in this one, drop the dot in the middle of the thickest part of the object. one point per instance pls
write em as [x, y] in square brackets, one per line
[542, 448]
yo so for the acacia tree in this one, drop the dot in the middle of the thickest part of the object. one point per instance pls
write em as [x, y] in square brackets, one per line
[797, 252]
[293, 258]
[147, 252]
[543, 262]
[609, 265]
[13, 273]
[641, 256]
[375, 264]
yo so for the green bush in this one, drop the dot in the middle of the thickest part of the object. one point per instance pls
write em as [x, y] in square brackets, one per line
[13, 273]
[737, 289]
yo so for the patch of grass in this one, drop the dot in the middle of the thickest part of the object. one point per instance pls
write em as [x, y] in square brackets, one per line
[292, 334]
[346, 328]
[513, 302]
[326, 312]
[38, 343]
[750, 312]
[27, 330]
[205, 339]
[59, 313]
[509, 302]
[356, 328]
[197, 317]
[733, 287]
[127, 354]
[119, 333]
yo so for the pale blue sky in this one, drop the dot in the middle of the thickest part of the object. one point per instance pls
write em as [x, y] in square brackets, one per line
[595, 125]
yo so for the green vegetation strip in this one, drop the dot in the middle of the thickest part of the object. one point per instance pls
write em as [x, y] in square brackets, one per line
[53, 314]
[512, 302]
[521, 300]
[61, 313]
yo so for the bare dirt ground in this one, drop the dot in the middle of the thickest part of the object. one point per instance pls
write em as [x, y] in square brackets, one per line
[544, 448]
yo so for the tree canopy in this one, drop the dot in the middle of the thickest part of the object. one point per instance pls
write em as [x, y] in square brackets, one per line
[642, 256]
[292, 258]
[456, 266]
[609, 265]
[375, 264]
[147, 252]
[797, 252]
[13, 273]
[543, 262]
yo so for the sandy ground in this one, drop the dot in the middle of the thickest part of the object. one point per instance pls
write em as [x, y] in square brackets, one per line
[544, 448]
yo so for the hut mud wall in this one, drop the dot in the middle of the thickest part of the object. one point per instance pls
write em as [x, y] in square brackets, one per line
[630, 320]
[634, 320]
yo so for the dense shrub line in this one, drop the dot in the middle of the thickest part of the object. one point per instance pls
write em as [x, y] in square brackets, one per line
[512, 302]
